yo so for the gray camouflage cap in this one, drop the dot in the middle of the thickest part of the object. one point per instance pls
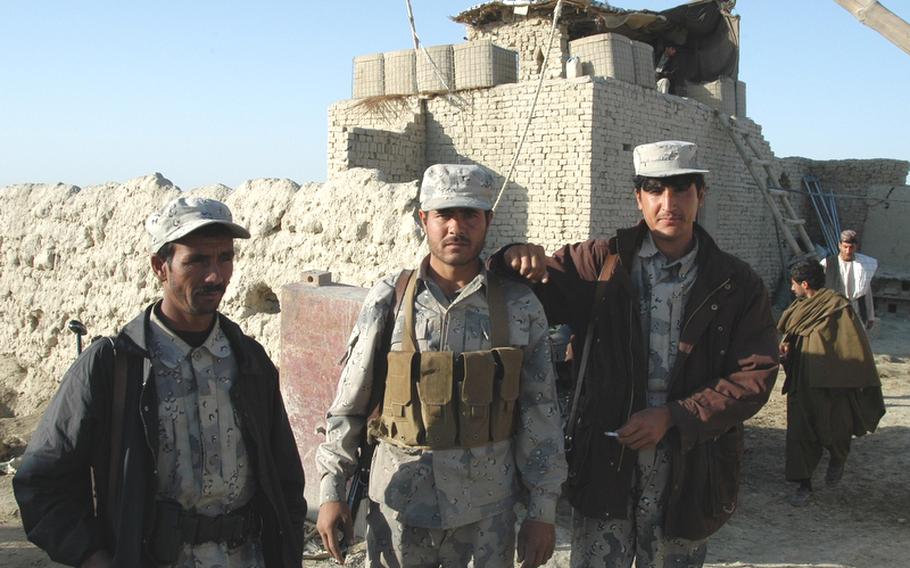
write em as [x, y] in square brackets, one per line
[446, 186]
[666, 158]
[183, 215]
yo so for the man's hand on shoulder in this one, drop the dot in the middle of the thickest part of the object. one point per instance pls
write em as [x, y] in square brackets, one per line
[529, 260]
[645, 428]
[331, 514]
[98, 559]
[536, 542]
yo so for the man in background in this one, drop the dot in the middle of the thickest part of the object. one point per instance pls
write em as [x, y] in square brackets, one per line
[850, 273]
[832, 387]
[666, 70]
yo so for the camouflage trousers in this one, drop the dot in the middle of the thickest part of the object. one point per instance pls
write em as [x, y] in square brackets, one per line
[488, 543]
[614, 543]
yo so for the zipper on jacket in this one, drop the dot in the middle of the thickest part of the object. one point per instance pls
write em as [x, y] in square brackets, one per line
[622, 450]
[145, 428]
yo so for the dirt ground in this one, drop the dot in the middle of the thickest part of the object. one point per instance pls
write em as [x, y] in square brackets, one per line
[862, 523]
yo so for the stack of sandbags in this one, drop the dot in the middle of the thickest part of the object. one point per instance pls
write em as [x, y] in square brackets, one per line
[719, 94]
[480, 64]
[400, 72]
[428, 78]
[369, 76]
[606, 55]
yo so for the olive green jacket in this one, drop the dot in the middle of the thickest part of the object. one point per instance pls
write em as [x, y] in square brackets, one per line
[834, 351]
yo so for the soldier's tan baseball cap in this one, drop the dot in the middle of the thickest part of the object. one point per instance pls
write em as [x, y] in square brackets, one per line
[446, 186]
[183, 215]
[666, 158]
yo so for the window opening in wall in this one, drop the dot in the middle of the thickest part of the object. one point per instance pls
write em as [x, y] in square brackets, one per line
[892, 308]
[538, 58]
[627, 147]
[905, 286]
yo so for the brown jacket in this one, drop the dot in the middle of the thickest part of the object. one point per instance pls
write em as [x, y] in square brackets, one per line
[723, 374]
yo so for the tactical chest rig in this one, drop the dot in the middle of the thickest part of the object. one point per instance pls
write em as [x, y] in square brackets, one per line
[436, 400]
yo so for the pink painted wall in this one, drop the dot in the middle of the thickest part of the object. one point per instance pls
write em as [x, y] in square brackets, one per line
[315, 324]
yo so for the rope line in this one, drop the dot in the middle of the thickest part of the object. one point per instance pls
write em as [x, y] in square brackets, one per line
[413, 27]
[557, 11]
[450, 96]
[420, 48]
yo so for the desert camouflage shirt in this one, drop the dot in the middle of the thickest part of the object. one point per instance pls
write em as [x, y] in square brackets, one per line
[452, 487]
[202, 459]
[663, 288]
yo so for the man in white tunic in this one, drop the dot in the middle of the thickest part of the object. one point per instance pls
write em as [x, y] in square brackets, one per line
[850, 273]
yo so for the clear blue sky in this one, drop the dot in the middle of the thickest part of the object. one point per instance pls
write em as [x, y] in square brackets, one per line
[221, 91]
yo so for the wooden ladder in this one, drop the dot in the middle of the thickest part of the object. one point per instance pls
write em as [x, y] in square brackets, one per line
[778, 199]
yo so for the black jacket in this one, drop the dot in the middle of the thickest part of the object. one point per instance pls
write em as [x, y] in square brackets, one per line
[71, 448]
[723, 374]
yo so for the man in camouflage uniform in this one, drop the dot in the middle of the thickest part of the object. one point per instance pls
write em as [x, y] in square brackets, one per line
[448, 505]
[682, 349]
[205, 470]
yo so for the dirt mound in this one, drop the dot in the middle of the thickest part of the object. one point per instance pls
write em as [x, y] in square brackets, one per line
[80, 253]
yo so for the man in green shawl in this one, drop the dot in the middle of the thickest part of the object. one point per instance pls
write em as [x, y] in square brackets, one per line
[832, 387]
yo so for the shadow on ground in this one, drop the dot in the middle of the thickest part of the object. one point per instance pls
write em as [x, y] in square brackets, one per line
[16, 551]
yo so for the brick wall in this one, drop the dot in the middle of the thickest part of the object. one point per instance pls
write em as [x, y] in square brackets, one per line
[735, 213]
[854, 177]
[885, 232]
[548, 199]
[574, 176]
[847, 177]
[386, 134]
[399, 155]
[529, 37]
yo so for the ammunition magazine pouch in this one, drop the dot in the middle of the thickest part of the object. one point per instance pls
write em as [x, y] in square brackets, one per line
[478, 370]
[400, 419]
[436, 400]
[502, 421]
[434, 388]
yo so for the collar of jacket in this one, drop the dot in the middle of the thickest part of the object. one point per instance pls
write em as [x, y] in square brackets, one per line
[134, 338]
[714, 274]
[711, 273]
[425, 279]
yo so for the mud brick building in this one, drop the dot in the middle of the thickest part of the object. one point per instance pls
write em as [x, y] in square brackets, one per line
[574, 173]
